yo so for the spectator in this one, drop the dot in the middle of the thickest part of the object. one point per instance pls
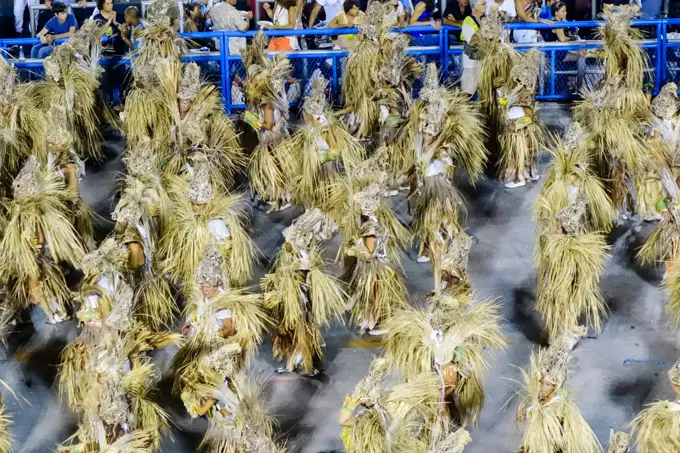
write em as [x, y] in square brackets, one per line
[350, 17]
[194, 21]
[45, 15]
[331, 9]
[470, 76]
[130, 30]
[559, 14]
[397, 17]
[320, 17]
[506, 8]
[546, 9]
[425, 13]
[528, 11]
[226, 17]
[456, 11]
[651, 9]
[62, 25]
[284, 17]
[107, 17]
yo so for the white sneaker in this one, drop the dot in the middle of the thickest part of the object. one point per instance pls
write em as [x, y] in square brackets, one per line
[377, 333]
[285, 206]
[514, 185]
[423, 259]
[534, 174]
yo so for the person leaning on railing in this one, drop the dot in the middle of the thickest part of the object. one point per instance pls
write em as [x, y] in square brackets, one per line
[350, 17]
[559, 14]
[470, 76]
[284, 16]
[61, 26]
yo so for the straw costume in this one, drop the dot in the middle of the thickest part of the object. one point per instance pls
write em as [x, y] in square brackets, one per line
[319, 153]
[198, 124]
[624, 58]
[656, 427]
[361, 112]
[448, 340]
[38, 236]
[267, 114]
[615, 136]
[72, 83]
[5, 436]
[521, 134]
[301, 296]
[618, 442]
[394, 82]
[22, 127]
[495, 62]
[201, 215]
[145, 106]
[445, 131]
[216, 314]
[376, 289]
[573, 214]
[554, 423]
[398, 419]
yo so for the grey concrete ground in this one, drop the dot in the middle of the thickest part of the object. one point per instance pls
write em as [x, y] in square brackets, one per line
[611, 377]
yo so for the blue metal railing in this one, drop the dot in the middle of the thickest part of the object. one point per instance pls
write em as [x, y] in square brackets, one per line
[570, 66]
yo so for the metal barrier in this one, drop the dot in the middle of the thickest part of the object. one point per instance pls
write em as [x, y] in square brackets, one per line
[570, 66]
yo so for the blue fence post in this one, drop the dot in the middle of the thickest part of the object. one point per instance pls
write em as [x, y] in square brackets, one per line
[657, 73]
[662, 42]
[552, 73]
[226, 79]
[334, 81]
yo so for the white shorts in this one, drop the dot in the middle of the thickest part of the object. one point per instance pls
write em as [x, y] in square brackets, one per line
[468, 81]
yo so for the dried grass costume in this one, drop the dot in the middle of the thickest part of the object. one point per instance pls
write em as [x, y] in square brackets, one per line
[203, 214]
[521, 133]
[448, 340]
[300, 295]
[573, 214]
[265, 91]
[38, 236]
[399, 419]
[22, 126]
[444, 131]
[656, 427]
[376, 288]
[554, 423]
[319, 153]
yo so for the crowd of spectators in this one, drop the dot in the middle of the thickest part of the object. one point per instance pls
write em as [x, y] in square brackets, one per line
[124, 20]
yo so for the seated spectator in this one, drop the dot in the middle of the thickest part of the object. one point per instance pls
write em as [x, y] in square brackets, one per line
[559, 14]
[425, 13]
[107, 17]
[194, 21]
[350, 17]
[62, 25]
[226, 17]
[284, 17]
[130, 30]
[206, 6]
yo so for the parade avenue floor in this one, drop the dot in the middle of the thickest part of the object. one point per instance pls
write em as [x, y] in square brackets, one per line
[612, 377]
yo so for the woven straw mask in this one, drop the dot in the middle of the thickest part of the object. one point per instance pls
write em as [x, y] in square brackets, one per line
[665, 105]
[211, 267]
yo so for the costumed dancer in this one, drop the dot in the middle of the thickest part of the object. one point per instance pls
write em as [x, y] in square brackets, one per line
[656, 427]
[267, 114]
[615, 137]
[38, 235]
[71, 82]
[573, 214]
[495, 62]
[623, 56]
[202, 215]
[444, 131]
[5, 436]
[448, 339]
[301, 296]
[22, 126]
[554, 423]
[198, 124]
[361, 112]
[145, 113]
[394, 82]
[398, 419]
[521, 134]
[376, 288]
[317, 155]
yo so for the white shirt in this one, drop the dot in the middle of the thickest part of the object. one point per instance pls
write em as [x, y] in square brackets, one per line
[227, 18]
[281, 18]
[507, 7]
[331, 7]
[468, 32]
